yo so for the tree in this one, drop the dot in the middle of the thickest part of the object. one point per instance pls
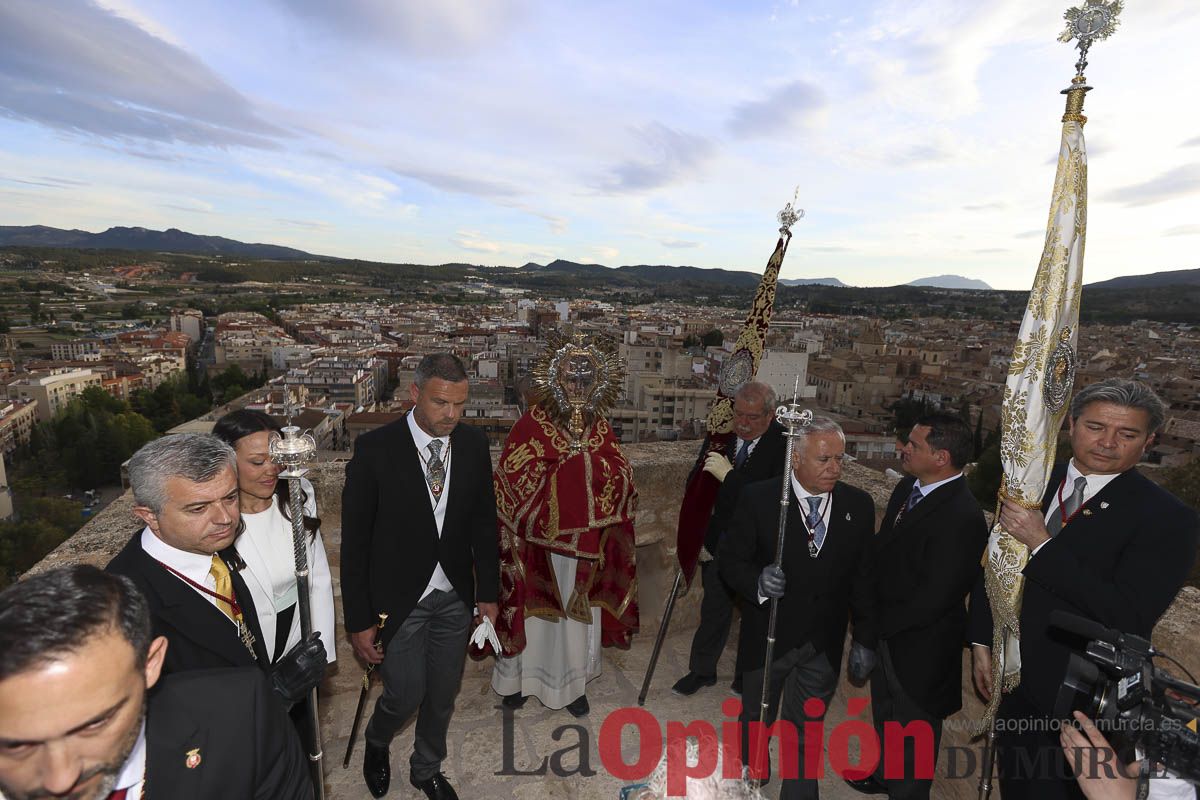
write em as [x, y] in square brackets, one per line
[977, 441]
[984, 480]
[713, 338]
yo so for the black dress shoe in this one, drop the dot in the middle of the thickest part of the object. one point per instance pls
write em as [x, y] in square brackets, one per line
[867, 785]
[435, 788]
[579, 706]
[514, 700]
[689, 684]
[377, 769]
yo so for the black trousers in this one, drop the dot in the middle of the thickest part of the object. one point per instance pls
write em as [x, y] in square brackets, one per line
[422, 669]
[798, 675]
[890, 703]
[1029, 755]
[716, 618]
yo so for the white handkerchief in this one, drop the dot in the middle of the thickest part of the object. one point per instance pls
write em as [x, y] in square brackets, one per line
[485, 633]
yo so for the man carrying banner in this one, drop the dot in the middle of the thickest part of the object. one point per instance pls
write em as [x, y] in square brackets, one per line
[758, 456]
[566, 504]
[1106, 544]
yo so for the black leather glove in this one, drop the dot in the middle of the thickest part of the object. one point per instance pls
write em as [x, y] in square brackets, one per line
[299, 670]
[772, 581]
[861, 662]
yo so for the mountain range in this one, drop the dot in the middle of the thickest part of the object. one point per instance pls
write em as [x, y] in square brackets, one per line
[171, 240]
[174, 240]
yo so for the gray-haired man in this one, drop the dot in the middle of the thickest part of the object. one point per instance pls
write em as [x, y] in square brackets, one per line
[1106, 544]
[186, 491]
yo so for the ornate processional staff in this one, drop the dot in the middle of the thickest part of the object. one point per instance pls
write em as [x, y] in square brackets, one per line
[1042, 371]
[700, 493]
[795, 421]
[290, 449]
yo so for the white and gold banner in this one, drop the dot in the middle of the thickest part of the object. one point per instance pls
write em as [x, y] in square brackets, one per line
[1038, 389]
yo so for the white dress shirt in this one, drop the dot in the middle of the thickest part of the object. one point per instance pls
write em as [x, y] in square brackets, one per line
[1094, 484]
[925, 490]
[422, 439]
[826, 507]
[132, 777]
[195, 566]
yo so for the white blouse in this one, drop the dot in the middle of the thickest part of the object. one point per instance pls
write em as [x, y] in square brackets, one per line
[270, 574]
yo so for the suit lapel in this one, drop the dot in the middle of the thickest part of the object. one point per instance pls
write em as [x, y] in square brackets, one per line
[250, 617]
[175, 758]
[928, 505]
[194, 617]
[461, 481]
[1056, 478]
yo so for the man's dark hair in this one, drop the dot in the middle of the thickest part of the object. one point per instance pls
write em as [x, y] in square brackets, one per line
[55, 613]
[439, 365]
[949, 433]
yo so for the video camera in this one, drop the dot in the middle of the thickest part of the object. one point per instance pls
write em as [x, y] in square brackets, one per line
[1134, 703]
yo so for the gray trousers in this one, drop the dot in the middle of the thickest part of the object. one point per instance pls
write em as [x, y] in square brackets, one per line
[422, 669]
[890, 703]
[800, 674]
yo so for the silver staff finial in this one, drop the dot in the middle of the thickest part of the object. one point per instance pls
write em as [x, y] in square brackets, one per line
[790, 215]
[1094, 21]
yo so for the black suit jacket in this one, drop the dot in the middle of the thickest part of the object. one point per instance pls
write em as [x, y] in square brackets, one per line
[765, 461]
[925, 568]
[1120, 562]
[821, 592]
[200, 636]
[246, 745]
[390, 543]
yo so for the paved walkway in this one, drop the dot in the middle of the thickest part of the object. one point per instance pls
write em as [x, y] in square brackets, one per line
[484, 744]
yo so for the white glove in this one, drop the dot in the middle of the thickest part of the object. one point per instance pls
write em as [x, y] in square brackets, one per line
[485, 633]
[718, 466]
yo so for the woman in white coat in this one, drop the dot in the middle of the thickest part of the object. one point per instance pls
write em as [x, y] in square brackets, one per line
[265, 543]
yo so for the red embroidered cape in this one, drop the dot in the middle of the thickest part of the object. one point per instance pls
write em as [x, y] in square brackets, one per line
[583, 505]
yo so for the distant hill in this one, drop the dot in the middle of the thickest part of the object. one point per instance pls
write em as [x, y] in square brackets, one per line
[1175, 277]
[172, 240]
[811, 282]
[950, 282]
[646, 273]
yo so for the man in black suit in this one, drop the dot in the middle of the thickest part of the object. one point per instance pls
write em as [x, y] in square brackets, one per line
[758, 455]
[185, 489]
[419, 544]
[83, 713]
[927, 557]
[826, 577]
[1108, 545]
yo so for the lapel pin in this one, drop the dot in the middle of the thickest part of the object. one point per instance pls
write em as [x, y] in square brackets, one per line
[193, 758]
[1104, 504]
[1087, 512]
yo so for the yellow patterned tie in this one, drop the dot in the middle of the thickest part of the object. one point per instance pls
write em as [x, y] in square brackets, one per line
[224, 587]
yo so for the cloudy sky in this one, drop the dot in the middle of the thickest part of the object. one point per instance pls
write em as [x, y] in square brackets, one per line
[921, 133]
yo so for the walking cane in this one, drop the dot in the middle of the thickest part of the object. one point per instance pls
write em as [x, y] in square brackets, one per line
[290, 449]
[662, 634]
[795, 420]
[363, 692]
